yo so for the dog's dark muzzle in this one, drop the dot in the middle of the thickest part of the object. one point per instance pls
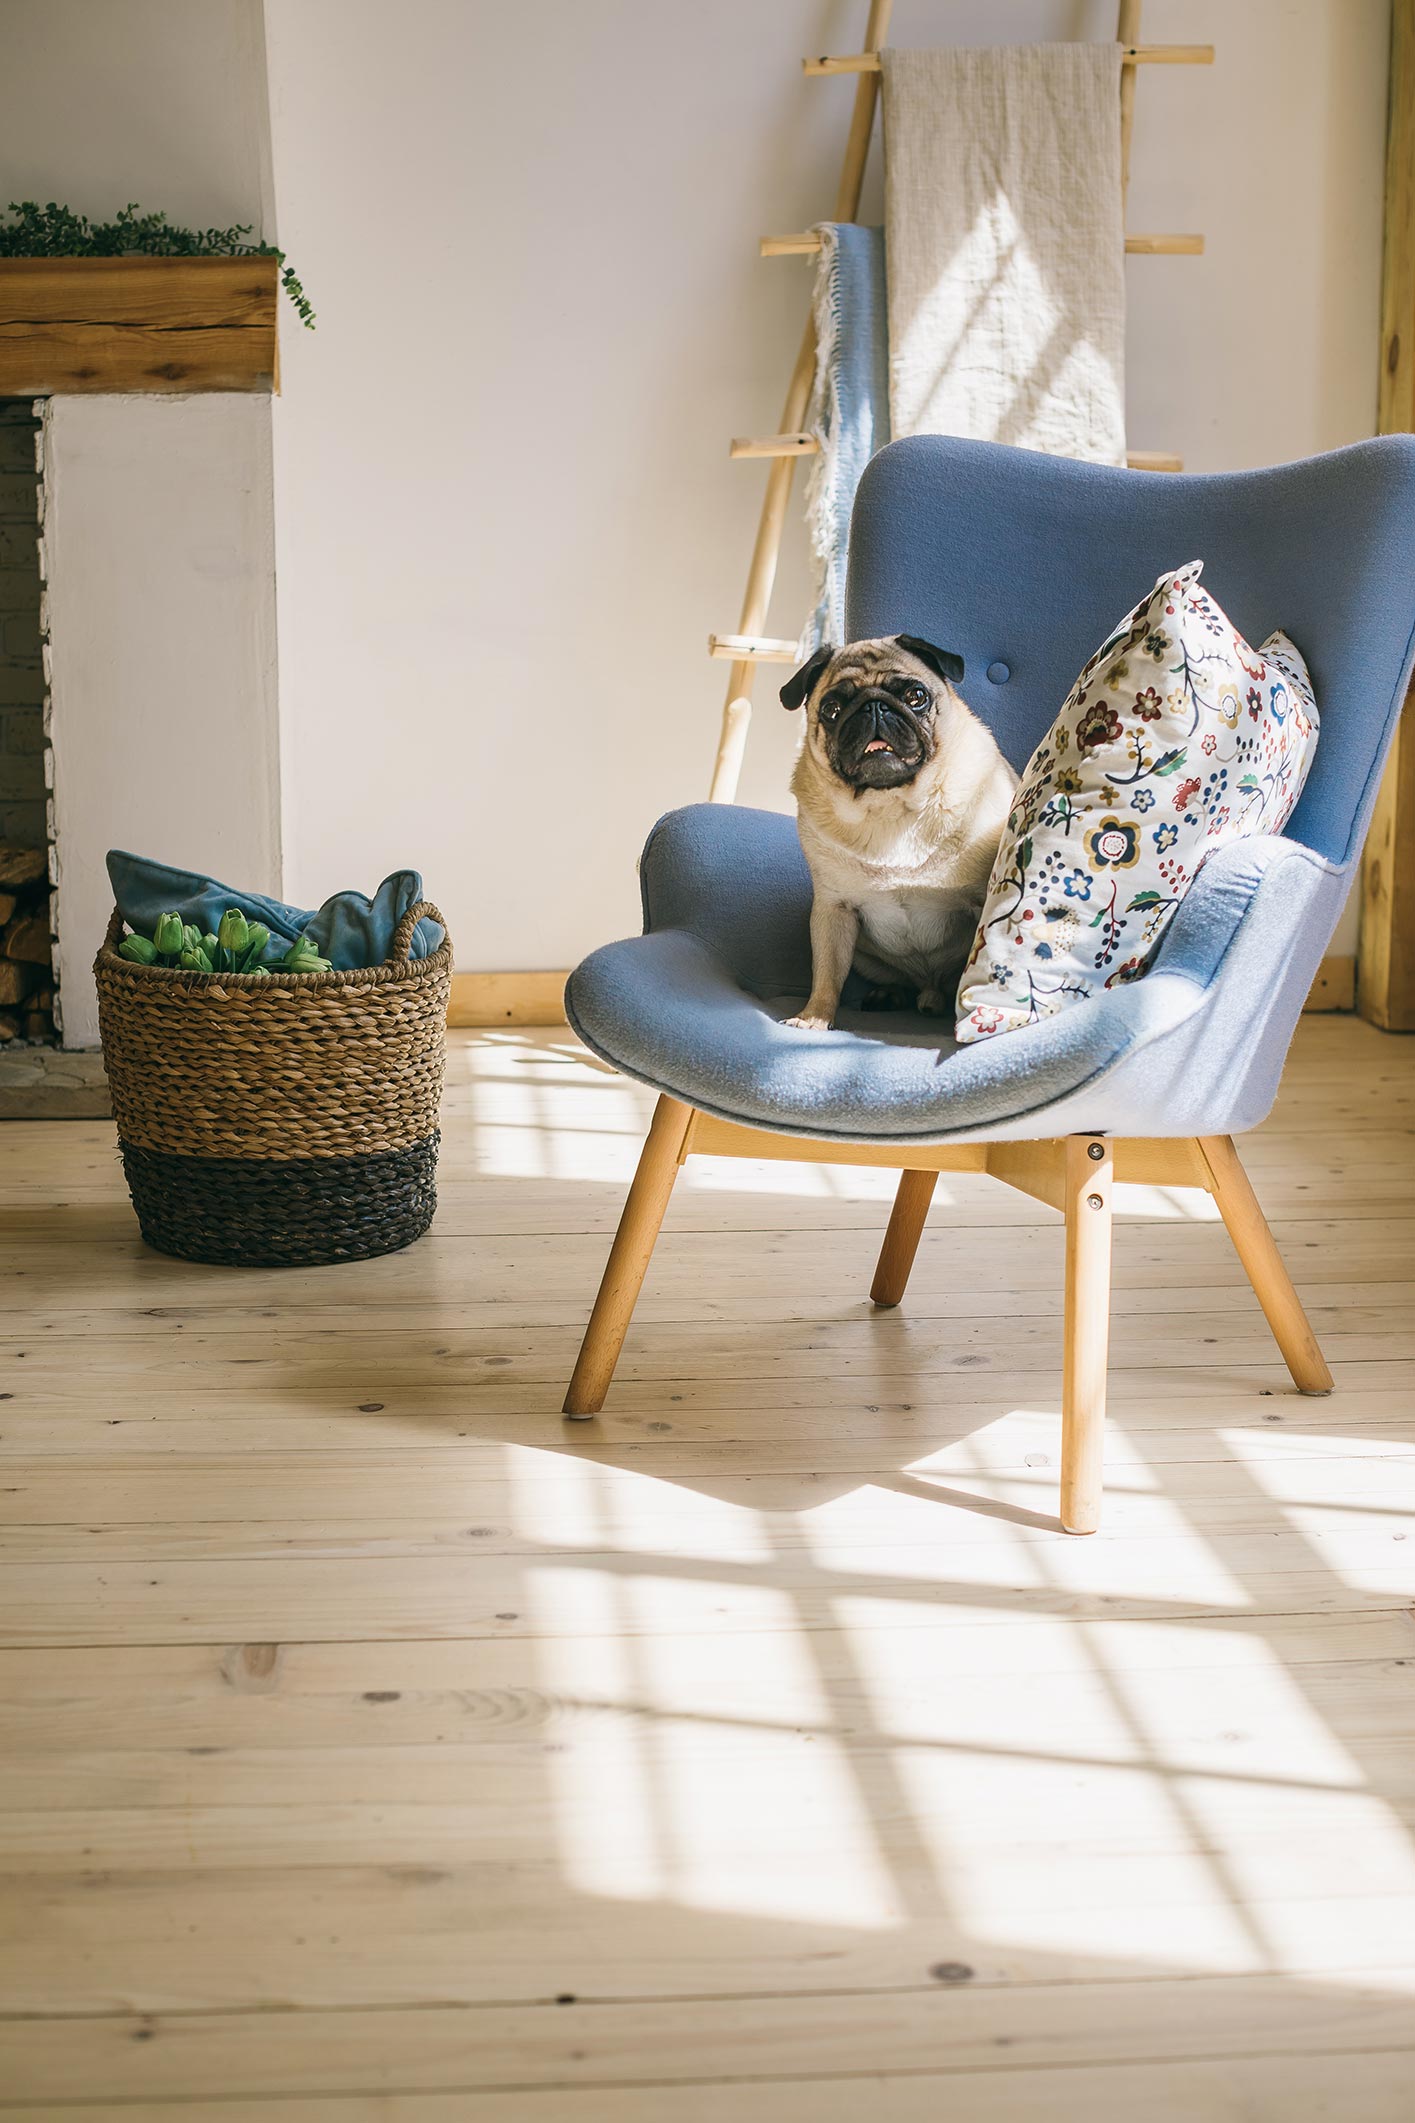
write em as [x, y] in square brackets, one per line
[879, 743]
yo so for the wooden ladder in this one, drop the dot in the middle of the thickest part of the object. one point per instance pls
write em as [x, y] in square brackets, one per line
[750, 646]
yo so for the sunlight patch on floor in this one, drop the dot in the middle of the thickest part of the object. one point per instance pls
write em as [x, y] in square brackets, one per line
[1249, 1718]
[746, 1828]
[594, 1507]
[605, 1775]
[1290, 1841]
[774, 1681]
[1160, 1205]
[1005, 1560]
[690, 1807]
[1297, 1475]
[804, 1181]
[1031, 1461]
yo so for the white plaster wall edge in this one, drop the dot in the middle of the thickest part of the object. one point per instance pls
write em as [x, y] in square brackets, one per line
[162, 652]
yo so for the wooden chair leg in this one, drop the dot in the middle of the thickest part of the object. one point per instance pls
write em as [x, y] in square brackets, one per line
[1256, 1247]
[901, 1240]
[1088, 1186]
[629, 1257]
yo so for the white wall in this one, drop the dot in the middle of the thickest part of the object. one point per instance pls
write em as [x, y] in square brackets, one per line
[159, 537]
[506, 518]
[159, 550]
[158, 101]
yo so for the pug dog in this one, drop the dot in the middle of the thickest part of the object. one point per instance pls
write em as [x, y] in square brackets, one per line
[902, 797]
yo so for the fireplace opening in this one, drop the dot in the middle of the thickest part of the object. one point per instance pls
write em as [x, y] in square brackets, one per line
[29, 1011]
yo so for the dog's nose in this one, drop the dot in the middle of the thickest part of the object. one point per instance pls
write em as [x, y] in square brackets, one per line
[877, 737]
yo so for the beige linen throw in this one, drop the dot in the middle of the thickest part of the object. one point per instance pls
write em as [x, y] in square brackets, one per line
[1005, 237]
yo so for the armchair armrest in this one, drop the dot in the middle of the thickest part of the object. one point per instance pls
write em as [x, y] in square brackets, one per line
[735, 879]
[1246, 945]
[1287, 885]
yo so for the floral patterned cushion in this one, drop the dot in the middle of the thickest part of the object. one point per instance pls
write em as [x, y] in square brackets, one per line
[1175, 739]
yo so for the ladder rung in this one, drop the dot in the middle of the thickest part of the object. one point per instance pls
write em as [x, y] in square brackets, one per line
[1139, 246]
[1167, 55]
[752, 648]
[775, 446]
[790, 246]
[1131, 55]
[809, 446]
[847, 63]
[1165, 246]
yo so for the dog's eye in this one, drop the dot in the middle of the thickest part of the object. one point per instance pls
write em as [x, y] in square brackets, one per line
[915, 696]
[830, 707]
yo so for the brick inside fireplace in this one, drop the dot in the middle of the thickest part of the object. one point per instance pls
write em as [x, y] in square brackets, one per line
[28, 1010]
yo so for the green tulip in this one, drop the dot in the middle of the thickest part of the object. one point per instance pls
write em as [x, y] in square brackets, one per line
[303, 957]
[191, 936]
[168, 936]
[209, 944]
[138, 950]
[258, 936]
[233, 934]
[195, 962]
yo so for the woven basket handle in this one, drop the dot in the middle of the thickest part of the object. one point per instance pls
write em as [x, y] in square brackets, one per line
[403, 934]
[115, 931]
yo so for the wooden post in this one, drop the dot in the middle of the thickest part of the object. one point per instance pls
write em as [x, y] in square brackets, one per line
[1127, 31]
[1088, 1183]
[1385, 965]
[761, 576]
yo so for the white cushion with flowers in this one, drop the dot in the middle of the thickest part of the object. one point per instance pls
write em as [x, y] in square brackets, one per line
[1176, 739]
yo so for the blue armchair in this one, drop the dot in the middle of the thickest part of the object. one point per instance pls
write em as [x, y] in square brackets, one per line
[1024, 563]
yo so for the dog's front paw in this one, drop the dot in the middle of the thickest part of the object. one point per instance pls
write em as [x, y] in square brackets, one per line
[808, 1023]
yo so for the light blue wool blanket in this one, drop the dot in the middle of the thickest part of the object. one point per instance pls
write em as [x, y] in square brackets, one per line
[849, 408]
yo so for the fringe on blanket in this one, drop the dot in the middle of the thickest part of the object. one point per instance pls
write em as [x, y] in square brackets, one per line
[849, 409]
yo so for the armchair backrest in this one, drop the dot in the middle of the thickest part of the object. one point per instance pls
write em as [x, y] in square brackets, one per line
[1024, 563]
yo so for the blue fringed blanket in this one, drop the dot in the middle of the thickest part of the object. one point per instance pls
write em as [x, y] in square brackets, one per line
[350, 930]
[849, 404]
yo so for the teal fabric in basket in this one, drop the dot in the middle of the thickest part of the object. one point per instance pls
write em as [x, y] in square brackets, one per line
[350, 930]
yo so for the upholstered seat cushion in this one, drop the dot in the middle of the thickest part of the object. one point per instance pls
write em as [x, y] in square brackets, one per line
[694, 1006]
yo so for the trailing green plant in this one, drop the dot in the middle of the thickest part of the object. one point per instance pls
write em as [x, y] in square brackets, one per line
[235, 946]
[55, 231]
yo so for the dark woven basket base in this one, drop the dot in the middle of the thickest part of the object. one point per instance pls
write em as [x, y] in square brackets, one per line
[273, 1213]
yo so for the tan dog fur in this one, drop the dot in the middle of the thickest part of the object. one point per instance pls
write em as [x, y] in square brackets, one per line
[899, 873]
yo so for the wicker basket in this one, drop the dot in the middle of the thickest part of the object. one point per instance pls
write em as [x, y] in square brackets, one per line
[284, 1121]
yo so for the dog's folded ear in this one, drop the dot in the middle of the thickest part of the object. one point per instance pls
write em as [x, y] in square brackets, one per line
[942, 662]
[798, 686]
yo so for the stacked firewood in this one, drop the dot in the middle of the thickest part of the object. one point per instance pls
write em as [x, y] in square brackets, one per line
[26, 976]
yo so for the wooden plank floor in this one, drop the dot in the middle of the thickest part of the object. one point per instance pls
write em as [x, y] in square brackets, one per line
[373, 1747]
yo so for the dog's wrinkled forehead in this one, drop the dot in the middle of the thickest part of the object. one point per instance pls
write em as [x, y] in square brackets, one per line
[862, 664]
[865, 663]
